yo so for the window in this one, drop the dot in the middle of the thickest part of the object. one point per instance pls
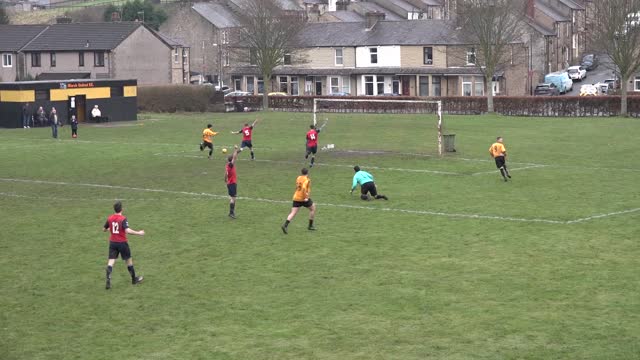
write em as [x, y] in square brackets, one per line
[250, 84]
[237, 83]
[7, 60]
[346, 86]
[423, 86]
[53, 59]
[335, 85]
[339, 58]
[225, 58]
[35, 59]
[574, 41]
[380, 85]
[636, 84]
[308, 85]
[294, 85]
[368, 85]
[98, 59]
[471, 56]
[225, 37]
[395, 85]
[466, 85]
[374, 55]
[284, 85]
[81, 58]
[478, 86]
[496, 87]
[252, 57]
[428, 55]
[261, 85]
[436, 83]
[286, 59]
[176, 56]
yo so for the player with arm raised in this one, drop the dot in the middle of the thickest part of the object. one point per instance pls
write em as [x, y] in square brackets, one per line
[312, 142]
[247, 132]
[118, 226]
[230, 179]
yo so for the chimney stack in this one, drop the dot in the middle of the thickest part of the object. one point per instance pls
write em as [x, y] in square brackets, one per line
[530, 8]
[373, 17]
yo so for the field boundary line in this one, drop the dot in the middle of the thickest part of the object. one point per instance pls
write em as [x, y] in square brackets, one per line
[346, 206]
[600, 216]
[514, 169]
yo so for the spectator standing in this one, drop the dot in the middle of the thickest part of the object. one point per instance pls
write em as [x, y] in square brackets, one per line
[96, 114]
[74, 127]
[53, 118]
[25, 116]
[41, 117]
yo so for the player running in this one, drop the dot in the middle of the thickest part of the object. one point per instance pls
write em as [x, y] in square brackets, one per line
[302, 197]
[207, 142]
[247, 132]
[230, 179]
[367, 185]
[499, 154]
[118, 226]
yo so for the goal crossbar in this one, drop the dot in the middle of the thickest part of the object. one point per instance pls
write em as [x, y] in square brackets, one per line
[437, 102]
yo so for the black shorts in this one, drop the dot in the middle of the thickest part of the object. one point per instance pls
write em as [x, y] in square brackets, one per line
[307, 204]
[246, 143]
[232, 189]
[312, 149]
[207, 145]
[370, 188]
[119, 248]
[500, 161]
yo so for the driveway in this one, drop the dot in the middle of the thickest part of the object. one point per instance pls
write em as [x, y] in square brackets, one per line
[602, 72]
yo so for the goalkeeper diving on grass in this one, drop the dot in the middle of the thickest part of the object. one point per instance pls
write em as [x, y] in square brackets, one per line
[367, 185]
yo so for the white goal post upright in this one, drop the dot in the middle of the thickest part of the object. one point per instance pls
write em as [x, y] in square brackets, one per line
[437, 102]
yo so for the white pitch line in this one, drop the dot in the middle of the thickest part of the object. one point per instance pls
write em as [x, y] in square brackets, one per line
[215, 196]
[514, 169]
[600, 216]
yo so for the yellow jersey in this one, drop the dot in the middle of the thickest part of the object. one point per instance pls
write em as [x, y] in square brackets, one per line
[303, 188]
[207, 134]
[497, 149]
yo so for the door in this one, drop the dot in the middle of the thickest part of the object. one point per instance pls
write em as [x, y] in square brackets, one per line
[78, 107]
[318, 86]
[406, 85]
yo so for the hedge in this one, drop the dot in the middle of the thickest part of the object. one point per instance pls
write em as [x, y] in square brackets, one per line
[173, 98]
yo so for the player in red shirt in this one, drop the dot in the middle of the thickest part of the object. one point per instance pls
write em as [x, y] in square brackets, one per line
[312, 144]
[118, 226]
[246, 132]
[230, 179]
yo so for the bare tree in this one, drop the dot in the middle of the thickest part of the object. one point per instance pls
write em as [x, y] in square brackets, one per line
[617, 33]
[493, 26]
[267, 36]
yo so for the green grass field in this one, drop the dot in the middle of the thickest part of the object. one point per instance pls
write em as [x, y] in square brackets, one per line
[456, 265]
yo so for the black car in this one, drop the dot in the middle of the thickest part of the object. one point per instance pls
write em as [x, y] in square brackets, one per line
[589, 62]
[546, 90]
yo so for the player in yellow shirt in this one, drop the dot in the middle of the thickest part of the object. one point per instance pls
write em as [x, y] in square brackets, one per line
[302, 197]
[207, 142]
[499, 154]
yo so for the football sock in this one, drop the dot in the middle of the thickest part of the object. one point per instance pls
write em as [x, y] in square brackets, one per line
[313, 159]
[232, 208]
[132, 271]
[306, 156]
[210, 152]
[109, 270]
[310, 222]
[252, 156]
[286, 223]
[502, 171]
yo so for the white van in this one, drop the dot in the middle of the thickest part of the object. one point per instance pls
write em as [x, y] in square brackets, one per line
[561, 80]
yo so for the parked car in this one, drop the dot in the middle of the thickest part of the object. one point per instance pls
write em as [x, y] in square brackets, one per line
[613, 83]
[577, 73]
[237, 93]
[277, 93]
[561, 80]
[340, 93]
[603, 88]
[589, 90]
[546, 89]
[590, 62]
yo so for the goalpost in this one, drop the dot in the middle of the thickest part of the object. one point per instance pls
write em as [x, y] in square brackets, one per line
[437, 103]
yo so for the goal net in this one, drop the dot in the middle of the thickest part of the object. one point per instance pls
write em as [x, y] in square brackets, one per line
[380, 106]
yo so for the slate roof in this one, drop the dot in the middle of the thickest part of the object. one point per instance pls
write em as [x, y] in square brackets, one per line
[82, 36]
[406, 32]
[217, 14]
[405, 5]
[169, 41]
[291, 5]
[373, 7]
[63, 76]
[553, 14]
[14, 37]
[289, 70]
[572, 4]
[347, 15]
[539, 28]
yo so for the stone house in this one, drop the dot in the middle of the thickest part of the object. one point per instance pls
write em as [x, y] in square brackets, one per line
[12, 39]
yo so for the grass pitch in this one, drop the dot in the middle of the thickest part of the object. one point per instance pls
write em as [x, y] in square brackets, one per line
[456, 265]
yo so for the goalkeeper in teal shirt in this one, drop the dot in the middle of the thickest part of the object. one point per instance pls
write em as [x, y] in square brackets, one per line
[367, 186]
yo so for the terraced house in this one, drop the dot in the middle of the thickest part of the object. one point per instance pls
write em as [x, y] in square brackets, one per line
[120, 50]
[376, 57]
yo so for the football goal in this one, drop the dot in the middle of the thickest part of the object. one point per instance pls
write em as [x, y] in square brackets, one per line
[380, 106]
